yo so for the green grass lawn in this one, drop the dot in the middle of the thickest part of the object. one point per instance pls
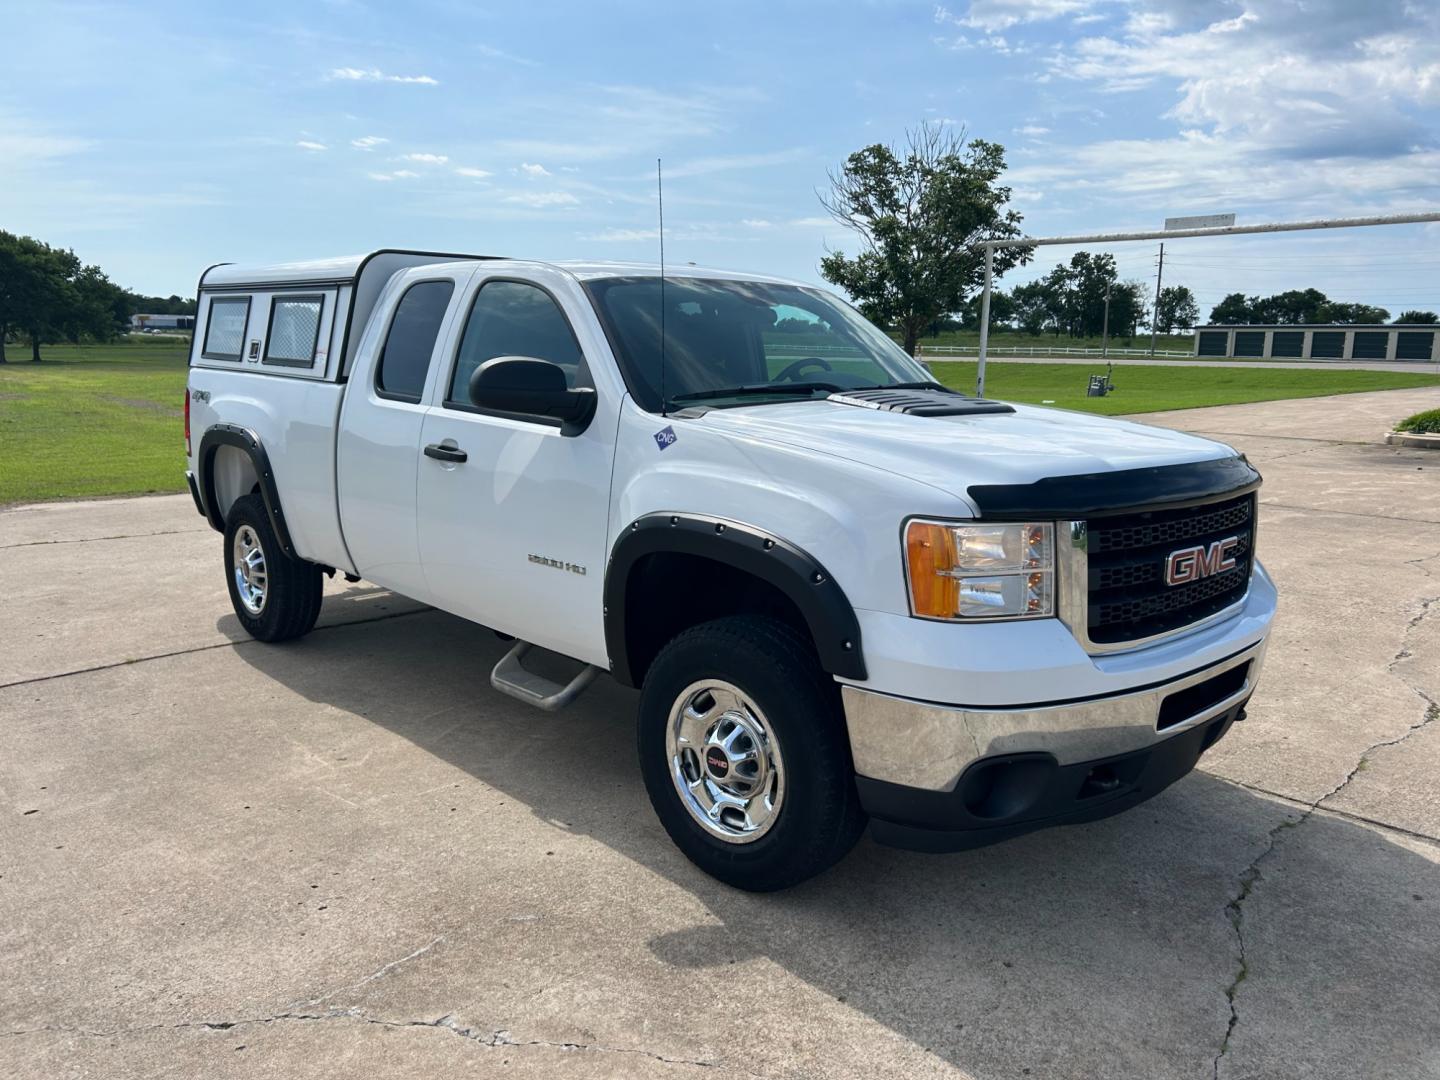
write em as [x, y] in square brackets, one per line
[92, 421]
[1145, 388]
[107, 420]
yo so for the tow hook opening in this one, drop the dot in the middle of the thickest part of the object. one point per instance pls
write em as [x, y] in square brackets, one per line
[1101, 780]
[1007, 787]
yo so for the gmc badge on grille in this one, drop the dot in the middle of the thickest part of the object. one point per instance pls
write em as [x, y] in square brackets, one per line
[1193, 563]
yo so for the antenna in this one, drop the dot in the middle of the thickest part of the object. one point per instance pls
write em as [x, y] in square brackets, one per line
[660, 199]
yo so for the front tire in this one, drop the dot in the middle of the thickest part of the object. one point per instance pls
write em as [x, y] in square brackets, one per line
[275, 597]
[744, 754]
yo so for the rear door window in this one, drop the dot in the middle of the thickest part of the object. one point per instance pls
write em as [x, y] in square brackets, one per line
[410, 341]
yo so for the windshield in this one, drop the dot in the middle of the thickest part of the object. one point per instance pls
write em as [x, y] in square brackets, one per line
[745, 336]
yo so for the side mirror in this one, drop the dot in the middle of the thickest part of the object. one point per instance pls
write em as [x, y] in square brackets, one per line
[523, 384]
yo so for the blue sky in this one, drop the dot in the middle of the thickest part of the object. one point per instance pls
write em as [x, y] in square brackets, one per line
[158, 138]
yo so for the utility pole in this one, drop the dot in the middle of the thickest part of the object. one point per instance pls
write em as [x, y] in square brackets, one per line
[1155, 312]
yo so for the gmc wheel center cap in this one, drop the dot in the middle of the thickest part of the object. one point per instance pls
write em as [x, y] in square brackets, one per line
[716, 762]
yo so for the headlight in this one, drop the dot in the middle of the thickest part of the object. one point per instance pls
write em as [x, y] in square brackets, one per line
[981, 571]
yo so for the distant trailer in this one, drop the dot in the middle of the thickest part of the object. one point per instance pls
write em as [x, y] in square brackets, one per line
[162, 322]
[1321, 341]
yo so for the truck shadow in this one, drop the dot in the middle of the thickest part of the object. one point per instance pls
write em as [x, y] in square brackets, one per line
[1104, 949]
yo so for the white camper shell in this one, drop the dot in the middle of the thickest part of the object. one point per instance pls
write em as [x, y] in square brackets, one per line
[295, 318]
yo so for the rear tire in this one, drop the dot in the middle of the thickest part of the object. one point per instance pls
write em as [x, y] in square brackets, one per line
[275, 597]
[745, 756]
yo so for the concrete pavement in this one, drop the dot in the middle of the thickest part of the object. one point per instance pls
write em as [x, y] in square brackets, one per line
[348, 855]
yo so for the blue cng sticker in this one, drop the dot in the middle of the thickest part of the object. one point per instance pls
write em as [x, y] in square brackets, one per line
[665, 437]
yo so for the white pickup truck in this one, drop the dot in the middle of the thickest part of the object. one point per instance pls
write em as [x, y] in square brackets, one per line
[846, 593]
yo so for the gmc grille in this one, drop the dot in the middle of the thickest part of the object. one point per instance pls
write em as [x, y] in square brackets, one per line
[1127, 594]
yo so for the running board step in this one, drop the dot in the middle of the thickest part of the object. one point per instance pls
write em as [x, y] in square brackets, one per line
[511, 677]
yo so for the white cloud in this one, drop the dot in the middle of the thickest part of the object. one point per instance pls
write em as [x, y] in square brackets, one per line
[350, 74]
[813, 223]
[368, 142]
[21, 147]
[309, 144]
[474, 174]
[1034, 131]
[530, 169]
[620, 236]
[993, 15]
[540, 199]
[398, 174]
[1331, 80]
[706, 165]
[1281, 110]
[500, 54]
[425, 159]
[756, 223]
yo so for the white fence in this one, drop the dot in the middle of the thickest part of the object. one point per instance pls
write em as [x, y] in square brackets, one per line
[970, 352]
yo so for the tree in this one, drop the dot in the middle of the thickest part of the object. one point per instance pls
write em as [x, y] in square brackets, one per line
[1002, 310]
[39, 288]
[1288, 308]
[1233, 309]
[47, 295]
[100, 309]
[158, 305]
[921, 213]
[1417, 317]
[1032, 307]
[1175, 306]
[1333, 311]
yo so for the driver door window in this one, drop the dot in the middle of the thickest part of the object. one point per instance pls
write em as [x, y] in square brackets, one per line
[512, 318]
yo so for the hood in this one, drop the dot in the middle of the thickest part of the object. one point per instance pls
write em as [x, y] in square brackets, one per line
[953, 452]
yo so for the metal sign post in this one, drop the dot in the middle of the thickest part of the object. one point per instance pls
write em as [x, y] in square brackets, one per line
[1172, 234]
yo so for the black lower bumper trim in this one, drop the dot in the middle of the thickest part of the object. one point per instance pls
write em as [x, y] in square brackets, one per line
[998, 798]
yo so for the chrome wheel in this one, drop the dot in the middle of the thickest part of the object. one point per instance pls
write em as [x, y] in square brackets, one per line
[725, 761]
[251, 580]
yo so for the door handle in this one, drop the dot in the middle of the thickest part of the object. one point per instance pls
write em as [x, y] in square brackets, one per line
[445, 453]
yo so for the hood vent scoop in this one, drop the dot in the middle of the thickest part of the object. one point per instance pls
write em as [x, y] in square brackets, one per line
[919, 402]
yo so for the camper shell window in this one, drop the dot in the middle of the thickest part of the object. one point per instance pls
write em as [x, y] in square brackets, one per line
[225, 328]
[294, 331]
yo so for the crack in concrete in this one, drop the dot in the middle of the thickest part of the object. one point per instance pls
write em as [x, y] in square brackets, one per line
[93, 539]
[1307, 450]
[1251, 875]
[1420, 563]
[200, 649]
[384, 969]
[1330, 811]
[1346, 513]
[1270, 435]
[498, 1039]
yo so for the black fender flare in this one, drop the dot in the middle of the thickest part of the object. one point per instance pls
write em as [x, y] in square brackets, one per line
[819, 598]
[246, 440]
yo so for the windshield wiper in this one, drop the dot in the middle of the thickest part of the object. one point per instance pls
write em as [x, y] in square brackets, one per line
[758, 388]
[910, 386]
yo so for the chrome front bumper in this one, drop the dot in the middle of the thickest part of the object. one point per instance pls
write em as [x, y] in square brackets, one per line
[923, 745]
